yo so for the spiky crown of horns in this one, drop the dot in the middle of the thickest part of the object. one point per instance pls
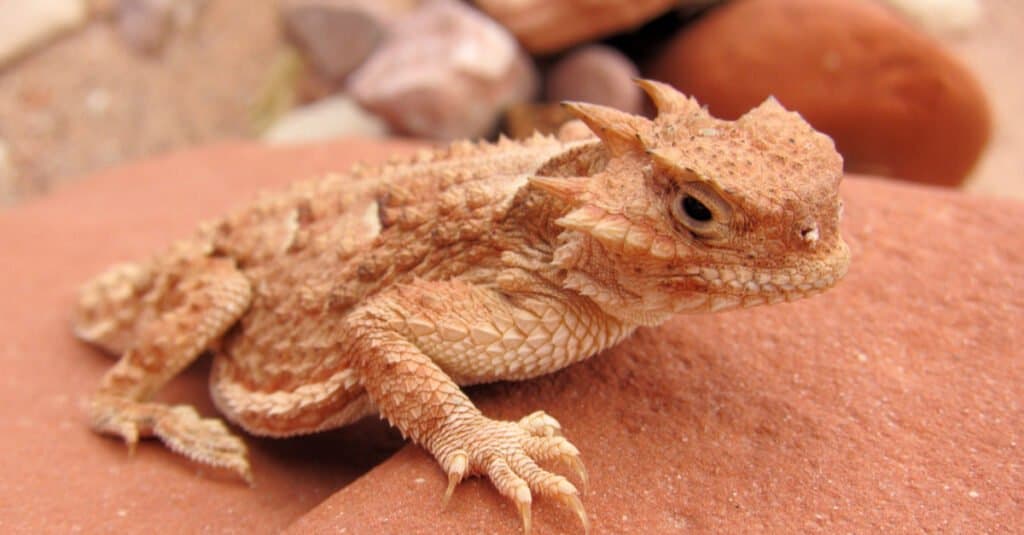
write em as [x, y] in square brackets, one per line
[678, 138]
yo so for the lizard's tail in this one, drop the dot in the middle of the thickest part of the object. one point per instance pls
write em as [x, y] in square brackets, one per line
[110, 306]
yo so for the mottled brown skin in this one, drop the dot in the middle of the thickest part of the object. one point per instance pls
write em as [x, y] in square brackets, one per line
[385, 289]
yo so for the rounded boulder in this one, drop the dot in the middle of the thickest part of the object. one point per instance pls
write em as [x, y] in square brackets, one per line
[893, 100]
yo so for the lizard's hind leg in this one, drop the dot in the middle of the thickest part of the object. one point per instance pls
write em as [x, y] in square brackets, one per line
[206, 299]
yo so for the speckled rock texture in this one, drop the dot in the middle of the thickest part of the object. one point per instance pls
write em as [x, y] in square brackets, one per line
[889, 404]
[896, 103]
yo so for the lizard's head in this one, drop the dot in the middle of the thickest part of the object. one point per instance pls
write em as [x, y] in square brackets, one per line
[692, 213]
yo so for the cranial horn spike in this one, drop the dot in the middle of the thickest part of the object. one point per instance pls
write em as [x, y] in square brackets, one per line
[662, 158]
[771, 107]
[618, 130]
[666, 98]
[567, 189]
[670, 159]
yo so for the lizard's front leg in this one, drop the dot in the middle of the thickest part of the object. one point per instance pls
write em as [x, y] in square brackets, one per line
[402, 340]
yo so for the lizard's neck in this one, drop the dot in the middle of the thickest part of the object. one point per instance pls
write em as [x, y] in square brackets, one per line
[569, 260]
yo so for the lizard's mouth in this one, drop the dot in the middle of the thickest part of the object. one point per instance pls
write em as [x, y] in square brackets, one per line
[726, 287]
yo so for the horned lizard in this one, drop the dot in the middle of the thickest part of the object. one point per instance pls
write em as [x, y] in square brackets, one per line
[382, 290]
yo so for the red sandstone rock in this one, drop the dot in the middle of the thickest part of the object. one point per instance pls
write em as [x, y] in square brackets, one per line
[545, 26]
[893, 100]
[889, 404]
[447, 72]
[597, 74]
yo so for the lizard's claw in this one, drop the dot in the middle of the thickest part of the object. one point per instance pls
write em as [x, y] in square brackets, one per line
[540, 424]
[508, 452]
[457, 467]
[576, 465]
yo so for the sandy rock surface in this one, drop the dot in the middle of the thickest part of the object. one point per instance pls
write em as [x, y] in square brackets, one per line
[896, 103]
[889, 404]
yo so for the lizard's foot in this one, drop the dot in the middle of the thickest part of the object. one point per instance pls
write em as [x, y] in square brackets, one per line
[180, 428]
[508, 452]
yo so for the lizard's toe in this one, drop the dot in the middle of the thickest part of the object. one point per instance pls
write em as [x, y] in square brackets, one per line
[112, 417]
[513, 487]
[557, 448]
[550, 485]
[541, 424]
[206, 440]
[508, 453]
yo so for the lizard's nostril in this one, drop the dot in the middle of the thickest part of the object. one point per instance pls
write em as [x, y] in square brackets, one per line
[809, 234]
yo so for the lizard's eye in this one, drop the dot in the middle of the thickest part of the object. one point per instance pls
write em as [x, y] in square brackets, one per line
[700, 209]
[695, 209]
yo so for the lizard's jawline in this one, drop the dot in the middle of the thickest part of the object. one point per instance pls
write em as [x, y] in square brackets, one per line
[717, 302]
[726, 288]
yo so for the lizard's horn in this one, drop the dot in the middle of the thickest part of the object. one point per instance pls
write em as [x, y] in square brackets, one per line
[568, 189]
[772, 109]
[664, 158]
[666, 98]
[618, 130]
[670, 159]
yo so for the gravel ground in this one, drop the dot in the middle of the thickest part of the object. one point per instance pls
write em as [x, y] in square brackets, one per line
[87, 101]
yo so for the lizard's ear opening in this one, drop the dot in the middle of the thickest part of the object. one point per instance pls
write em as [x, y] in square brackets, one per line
[667, 100]
[618, 131]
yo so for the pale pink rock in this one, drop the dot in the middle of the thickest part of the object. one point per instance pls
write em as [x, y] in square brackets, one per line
[26, 25]
[338, 35]
[545, 26]
[446, 72]
[597, 74]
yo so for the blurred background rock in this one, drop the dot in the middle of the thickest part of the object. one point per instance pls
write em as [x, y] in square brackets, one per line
[922, 90]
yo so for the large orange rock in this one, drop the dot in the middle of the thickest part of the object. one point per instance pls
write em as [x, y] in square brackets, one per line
[547, 26]
[894, 101]
[889, 404]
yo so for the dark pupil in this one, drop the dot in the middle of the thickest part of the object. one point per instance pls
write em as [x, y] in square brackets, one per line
[696, 209]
